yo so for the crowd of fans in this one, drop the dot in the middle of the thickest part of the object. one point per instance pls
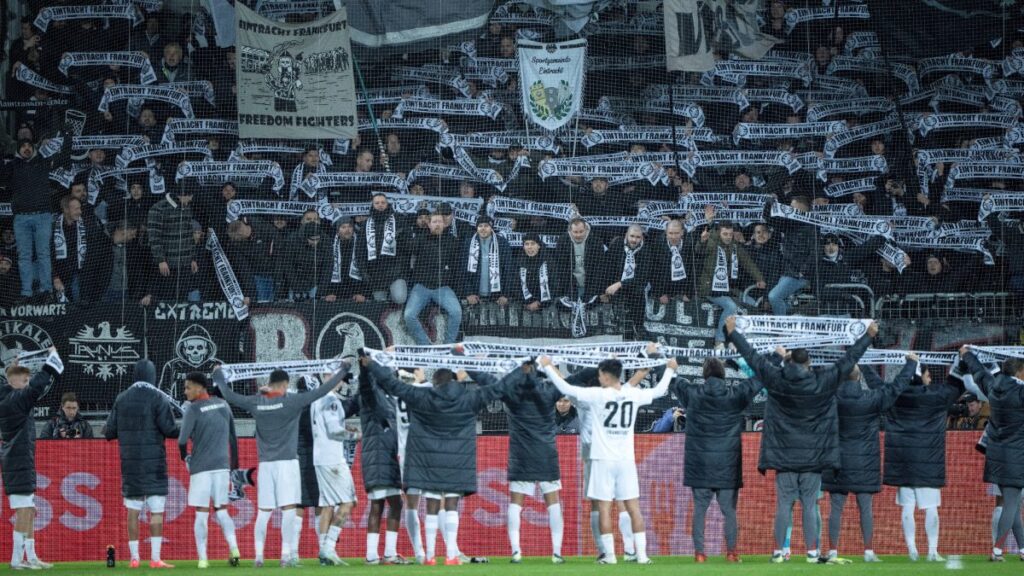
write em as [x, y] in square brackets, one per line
[125, 243]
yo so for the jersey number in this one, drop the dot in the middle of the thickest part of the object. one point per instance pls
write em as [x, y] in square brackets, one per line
[403, 412]
[625, 415]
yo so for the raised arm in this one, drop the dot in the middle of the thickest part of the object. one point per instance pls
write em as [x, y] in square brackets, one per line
[889, 392]
[556, 378]
[854, 353]
[245, 402]
[334, 422]
[757, 362]
[984, 379]
[415, 397]
[323, 390]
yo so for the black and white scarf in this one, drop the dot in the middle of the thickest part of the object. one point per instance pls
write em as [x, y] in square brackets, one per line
[678, 267]
[542, 281]
[127, 59]
[387, 247]
[60, 243]
[723, 271]
[629, 263]
[493, 261]
[136, 94]
[33, 78]
[56, 13]
[226, 276]
[353, 270]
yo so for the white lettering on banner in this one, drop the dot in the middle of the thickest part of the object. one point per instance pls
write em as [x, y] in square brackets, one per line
[278, 337]
[765, 131]
[1000, 202]
[498, 140]
[957, 63]
[655, 134]
[929, 122]
[861, 185]
[69, 490]
[193, 312]
[795, 16]
[705, 159]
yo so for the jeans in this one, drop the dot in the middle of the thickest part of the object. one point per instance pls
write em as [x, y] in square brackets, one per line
[729, 307]
[32, 234]
[264, 288]
[779, 296]
[112, 296]
[420, 298]
[398, 291]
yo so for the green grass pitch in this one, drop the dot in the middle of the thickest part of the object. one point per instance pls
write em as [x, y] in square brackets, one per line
[674, 566]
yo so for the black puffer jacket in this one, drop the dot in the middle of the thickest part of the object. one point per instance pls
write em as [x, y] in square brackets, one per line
[799, 245]
[440, 454]
[714, 421]
[28, 180]
[532, 456]
[801, 427]
[140, 421]
[1004, 458]
[379, 448]
[18, 432]
[860, 413]
[915, 436]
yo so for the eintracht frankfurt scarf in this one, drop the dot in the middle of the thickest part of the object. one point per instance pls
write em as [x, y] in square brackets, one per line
[542, 280]
[677, 266]
[60, 243]
[353, 270]
[723, 271]
[493, 263]
[629, 265]
[387, 247]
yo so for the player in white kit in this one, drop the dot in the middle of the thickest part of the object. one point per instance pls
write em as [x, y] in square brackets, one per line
[611, 410]
[333, 476]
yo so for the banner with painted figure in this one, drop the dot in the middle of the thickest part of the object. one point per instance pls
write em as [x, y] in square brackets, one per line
[693, 28]
[295, 81]
[551, 81]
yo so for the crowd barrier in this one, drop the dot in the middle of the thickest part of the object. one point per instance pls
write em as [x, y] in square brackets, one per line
[80, 511]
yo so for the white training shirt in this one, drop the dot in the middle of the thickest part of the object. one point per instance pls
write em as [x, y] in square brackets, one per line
[328, 418]
[611, 413]
[402, 419]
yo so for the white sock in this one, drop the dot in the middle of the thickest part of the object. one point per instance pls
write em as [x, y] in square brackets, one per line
[227, 527]
[451, 534]
[430, 526]
[155, 542]
[30, 550]
[200, 530]
[595, 529]
[557, 526]
[626, 529]
[390, 543]
[412, 526]
[514, 523]
[19, 548]
[260, 532]
[909, 528]
[997, 513]
[133, 548]
[372, 546]
[608, 544]
[331, 538]
[287, 533]
[640, 539]
[297, 534]
[931, 528]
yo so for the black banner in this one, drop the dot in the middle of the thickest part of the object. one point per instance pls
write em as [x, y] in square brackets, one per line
[978, 23]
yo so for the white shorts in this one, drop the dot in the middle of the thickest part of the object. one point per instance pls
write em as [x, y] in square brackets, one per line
[530, 488]
[613, 480]
[429, 495]
[382, 493]
[206, 486]
[278, 485]
[21, 501]
[924, 498]
[155, 504]
[336, 485]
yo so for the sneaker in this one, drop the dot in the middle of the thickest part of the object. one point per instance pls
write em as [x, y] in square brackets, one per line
[1021, 555]
[870, 556]
[700, 558]
[734, 558]
[517, 558]
[996, 557]
[42, 565]
[421, 559]
[370, 562]
[629, 556]
[257, 563]
[785, 555]
[453, 561]
[160, 564]
[133, 564]
[396, 560]
[332, 559]
[292, 562]
[837, 561]
[644, 561]
[235, 559]
[934, 557]
[203, 564]
[430, 562]
[813, 557]
[607, 559]
[913, 556]
[778, 558]
[24, 566]
[557, 559]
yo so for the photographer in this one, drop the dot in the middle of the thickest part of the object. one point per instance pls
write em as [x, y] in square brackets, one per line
[673, 420]
[969, 413]
[68, 423]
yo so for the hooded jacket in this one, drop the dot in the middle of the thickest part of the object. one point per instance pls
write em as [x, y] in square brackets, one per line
[532, 456]
[860, 414]
[378, 455]
[713, 457]
[18, 432]
[440, 454]
[1004, 458]
[801, 426]
[140, 421]
[915, 436]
